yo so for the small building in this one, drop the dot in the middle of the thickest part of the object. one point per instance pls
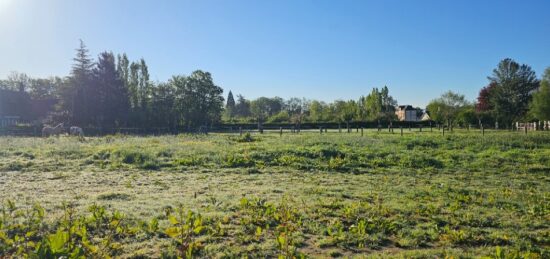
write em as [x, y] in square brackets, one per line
[407, 113]
[14, 103]
[425, 117]
[6, 121]
[17, 107]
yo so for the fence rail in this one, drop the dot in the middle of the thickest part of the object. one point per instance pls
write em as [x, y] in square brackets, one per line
[541, 125]
[221, 128]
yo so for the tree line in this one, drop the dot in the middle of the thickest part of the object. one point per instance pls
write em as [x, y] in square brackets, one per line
[514, 94]
[113, 91]
[377, 105]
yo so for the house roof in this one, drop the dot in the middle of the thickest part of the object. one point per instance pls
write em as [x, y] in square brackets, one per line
[405, 107]
[425, 117]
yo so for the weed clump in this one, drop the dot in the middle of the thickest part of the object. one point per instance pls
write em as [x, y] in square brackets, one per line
[114, 196]
[140, 159]
[246, 138]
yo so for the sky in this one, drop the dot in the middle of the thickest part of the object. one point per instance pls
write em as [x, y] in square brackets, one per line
[324, 50]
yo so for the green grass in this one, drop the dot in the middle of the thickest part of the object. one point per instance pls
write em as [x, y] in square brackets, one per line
[331, 195]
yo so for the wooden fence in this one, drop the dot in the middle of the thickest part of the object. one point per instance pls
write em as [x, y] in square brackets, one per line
[236, 128]
[532, 126]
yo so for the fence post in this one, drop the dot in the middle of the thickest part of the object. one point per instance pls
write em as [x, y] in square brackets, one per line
[240, 131]
[361, 131]
[410, 128]
[321, 130]
[401, 128]
[325, 129]
[339, 128]
[443, 131]
[420, 127]
[280, 131]
[525, 127]
[482, 130]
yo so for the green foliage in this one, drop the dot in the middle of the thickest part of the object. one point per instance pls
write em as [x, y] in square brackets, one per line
[246, 137]
[540, 105]
[467, 116]
[198, 99]
[514, 85]
[264, 107]
[24, 233]
[141, 159]
[185, 225]
[417, 195]
[448, 107]
[281, 116]
[378, 105]
[238, 160]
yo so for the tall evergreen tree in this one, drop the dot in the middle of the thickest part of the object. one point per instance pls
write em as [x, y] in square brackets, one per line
[144, 84]
[144, 93]
[230, 106]
[113, 103]
[133, 84]
[373, 104]
[123, 68]
[79, 98]
[388, 104]
[230, 101]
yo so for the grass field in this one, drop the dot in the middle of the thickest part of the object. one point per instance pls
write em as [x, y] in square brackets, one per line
[331, 195]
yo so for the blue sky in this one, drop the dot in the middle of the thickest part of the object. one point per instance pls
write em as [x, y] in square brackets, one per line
[323, 50]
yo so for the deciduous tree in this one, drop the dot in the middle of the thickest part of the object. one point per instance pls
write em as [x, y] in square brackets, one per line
[515, 84]
[540, 105]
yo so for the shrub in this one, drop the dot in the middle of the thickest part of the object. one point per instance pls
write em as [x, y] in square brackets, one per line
[189, 161]
[419, 161]
[247, 137]
[139, 159]
[237, 160]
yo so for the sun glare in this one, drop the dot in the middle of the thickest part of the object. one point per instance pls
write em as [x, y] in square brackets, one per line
[4, 4]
